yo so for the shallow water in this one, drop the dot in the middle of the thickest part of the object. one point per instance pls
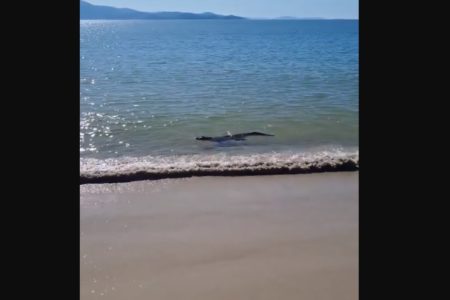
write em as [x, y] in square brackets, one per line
[150, 87]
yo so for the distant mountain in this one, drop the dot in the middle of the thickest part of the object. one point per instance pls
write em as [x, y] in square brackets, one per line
[97, 12]
[295, 18]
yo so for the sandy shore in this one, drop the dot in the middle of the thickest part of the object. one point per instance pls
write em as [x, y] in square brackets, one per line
[260, 237]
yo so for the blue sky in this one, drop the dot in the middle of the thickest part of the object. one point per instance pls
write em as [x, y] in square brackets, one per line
[340, 9]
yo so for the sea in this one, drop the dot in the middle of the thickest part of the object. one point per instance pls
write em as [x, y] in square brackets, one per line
[148, 88]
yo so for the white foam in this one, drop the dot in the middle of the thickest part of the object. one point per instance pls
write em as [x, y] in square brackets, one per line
[215, 164]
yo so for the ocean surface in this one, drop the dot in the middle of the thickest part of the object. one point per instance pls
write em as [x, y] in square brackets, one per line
[148, 88]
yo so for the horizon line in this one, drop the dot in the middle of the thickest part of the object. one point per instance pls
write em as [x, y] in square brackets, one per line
[286, 18]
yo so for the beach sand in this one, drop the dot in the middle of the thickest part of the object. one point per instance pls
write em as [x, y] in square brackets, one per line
[257, 237]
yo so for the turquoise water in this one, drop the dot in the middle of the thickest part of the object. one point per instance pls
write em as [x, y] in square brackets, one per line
[148, 88]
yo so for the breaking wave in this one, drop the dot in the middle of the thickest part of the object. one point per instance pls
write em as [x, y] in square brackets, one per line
[159, 167]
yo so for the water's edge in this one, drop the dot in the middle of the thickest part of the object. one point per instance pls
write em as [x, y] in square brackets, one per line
[152, 168]
[142, 175]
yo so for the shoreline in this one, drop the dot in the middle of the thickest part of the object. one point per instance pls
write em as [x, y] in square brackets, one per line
[142, 175]
[154, 168]
[250, 237]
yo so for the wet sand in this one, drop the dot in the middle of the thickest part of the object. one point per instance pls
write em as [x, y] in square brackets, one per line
[256, 237]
